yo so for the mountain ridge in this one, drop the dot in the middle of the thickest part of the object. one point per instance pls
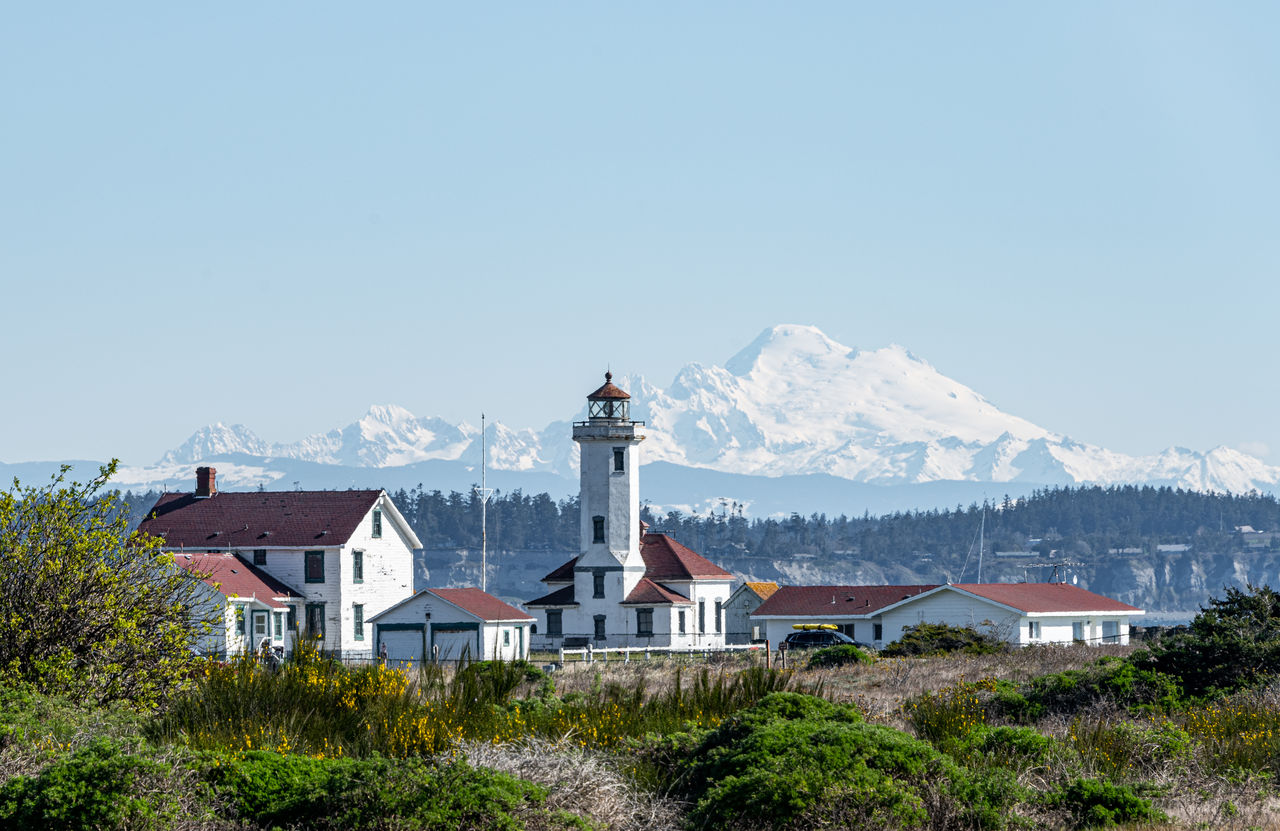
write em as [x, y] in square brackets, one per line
[793, 402]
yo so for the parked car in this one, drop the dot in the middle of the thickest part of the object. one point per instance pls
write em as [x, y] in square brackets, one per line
[821, 637]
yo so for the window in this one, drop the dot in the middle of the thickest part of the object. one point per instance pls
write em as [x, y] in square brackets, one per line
[357, 615]
[1077, 631]
[597, 529]
[315, 567]
[554, 623]
[377, 523]
[680, 621]
[315, 620]
[1033, 630]
[599, 621]
[277, 628]
[644, 623]
[702, 616]
[357, 566]
[1111, 631]
[718, 607]
[259, 556]
[597, 584]
[619, 459]
[291, 619]
[506, 637]
[239, 620]
[877, 631]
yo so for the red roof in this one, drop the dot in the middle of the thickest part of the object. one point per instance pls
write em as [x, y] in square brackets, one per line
[559, 597]
[236, 577]
[817, 601]
[293, 519]
[665, 559]
[1046, 597]
[481, 604]
[563, 574]
[608, 390]
[649, 593]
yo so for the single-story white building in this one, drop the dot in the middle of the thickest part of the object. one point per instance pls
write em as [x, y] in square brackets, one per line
[450, 625]
[1020, 613]
[738, 627]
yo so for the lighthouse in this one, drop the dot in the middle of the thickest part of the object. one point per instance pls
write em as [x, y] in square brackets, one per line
[609, 563]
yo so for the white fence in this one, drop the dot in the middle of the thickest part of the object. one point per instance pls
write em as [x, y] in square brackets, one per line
[590, 654]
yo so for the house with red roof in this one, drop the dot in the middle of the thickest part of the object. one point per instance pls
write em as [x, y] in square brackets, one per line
[451, 625]
[286, 563]
[1020, 613]
[627, 586]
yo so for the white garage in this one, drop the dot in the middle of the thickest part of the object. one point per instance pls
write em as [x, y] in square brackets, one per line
[451, 625]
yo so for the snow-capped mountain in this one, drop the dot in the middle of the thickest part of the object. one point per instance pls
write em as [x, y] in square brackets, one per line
[793, 402]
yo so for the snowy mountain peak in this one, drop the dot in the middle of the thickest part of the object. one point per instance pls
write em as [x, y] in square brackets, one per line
[794, 401]
[216, 440]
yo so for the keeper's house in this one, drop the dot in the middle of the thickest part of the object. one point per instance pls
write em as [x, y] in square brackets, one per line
[627, 587]
[451, 625]
[1020, 613]
[318, 563]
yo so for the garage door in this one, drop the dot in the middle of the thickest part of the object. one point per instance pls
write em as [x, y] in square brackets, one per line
[454, 643]
[402, 644]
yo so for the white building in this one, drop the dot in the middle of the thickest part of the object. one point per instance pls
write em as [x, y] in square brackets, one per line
[739, 628]
[1020, 613]
[451, 625]
[342, 556]
[627, 587]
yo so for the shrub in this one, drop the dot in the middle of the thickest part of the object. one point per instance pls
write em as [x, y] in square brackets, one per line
[839, 656]
[1233, 644]
[1091, 803]
[951, 713]
[1112, 680]
[1015, 748]
[941, 639]
[798, 760]
[100, 786]
[1128, 751]
[273, 790]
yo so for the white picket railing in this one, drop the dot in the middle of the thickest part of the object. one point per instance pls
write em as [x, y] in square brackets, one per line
[591, 654]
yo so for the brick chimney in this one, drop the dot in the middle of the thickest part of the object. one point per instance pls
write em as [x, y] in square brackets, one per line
[206, 482]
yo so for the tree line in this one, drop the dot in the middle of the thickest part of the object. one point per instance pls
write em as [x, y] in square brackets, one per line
[1090, 520]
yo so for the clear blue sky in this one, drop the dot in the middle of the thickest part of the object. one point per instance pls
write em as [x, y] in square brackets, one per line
[280, 213]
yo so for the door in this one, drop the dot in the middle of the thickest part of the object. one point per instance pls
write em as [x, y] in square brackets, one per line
[261, 628]
[453, 644]
[402, 644]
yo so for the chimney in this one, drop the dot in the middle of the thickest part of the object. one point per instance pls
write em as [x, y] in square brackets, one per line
[206, 482]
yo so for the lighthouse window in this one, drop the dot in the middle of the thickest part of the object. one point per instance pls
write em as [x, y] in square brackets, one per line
[597, 529]
[597, 584]
[619, 455]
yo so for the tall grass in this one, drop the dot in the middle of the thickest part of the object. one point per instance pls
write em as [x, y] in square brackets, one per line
[320, 707]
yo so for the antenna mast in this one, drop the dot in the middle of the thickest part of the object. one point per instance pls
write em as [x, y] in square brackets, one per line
[484, 524]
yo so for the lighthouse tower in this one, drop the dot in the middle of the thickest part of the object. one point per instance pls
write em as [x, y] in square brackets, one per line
[609, 564]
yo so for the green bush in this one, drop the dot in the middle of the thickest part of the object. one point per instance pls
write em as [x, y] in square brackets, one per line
[1015, 748]
[839, 656]
[1232, 645]
[1112, 680]
[101, 786]
[1091, 803]
[275, 790]
[925, 639]
[796, 760]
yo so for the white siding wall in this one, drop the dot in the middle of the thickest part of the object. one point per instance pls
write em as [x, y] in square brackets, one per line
[388, 578]
[954, 609]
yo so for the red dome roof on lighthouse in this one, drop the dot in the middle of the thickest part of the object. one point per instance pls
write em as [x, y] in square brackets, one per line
[609, 391]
